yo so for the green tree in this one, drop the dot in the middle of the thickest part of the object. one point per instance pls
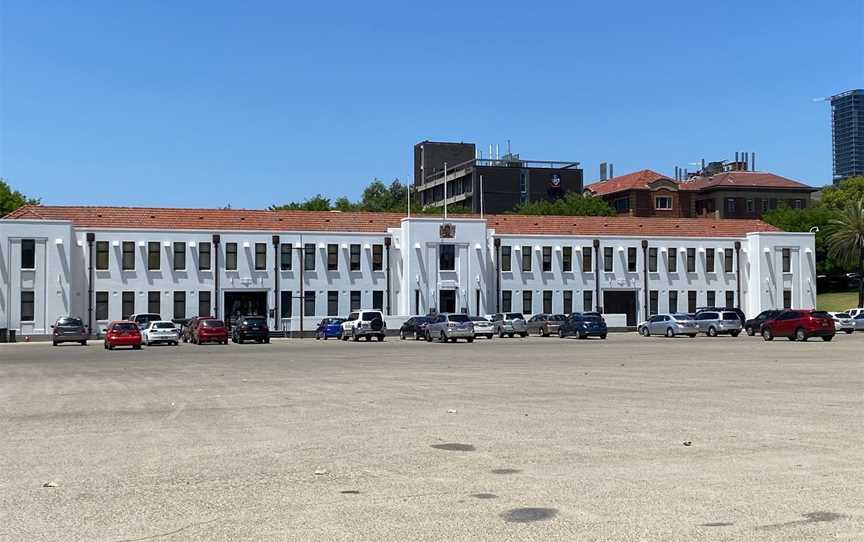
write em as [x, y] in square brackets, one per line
[846, 240]
[819, 216]
[572, 204]
[836, 197]
[315, 203]
[12, 199]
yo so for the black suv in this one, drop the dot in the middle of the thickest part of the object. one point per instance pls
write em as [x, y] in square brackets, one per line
[414, 327]
[753, 325]
[250, 328]
[68, 329]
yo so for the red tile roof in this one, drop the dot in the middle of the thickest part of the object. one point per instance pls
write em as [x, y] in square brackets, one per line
[631, 181]
[745, 179]
[217, 220]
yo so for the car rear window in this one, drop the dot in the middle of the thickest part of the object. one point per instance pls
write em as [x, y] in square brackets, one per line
[77, 322]
[843, 315]
[252, 321]
[479, 319]
[557, 317]
[515, 316]
[730, 316]
[163, 325]
[213, 323]
[682, 316]
[371, 315]
[125, 326]
[591, 318]
[458, 318]
[820, 314]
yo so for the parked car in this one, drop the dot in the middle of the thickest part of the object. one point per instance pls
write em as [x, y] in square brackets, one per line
[738, 312]
[122, 333]
[753, 325]
[364, 323]
[69, 329]
[509, 324]
[414, 327]
[854, 312]
[859, 322]
[189, 328]
[583, 325]
[143, 319]
[544, 324]
[483, 327]
[669, 325]
[329, 328]
[799, 325]
[160, 331]
[713, 323]
[210, 330]
[842, 322]
[450, 327]
[253, 328]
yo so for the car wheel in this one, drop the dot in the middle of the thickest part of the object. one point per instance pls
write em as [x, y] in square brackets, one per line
[849, 331]
[800, 334]
[136, 347]
[53, 343]
[670, 332]
[489, 336]
[380, 338]
[428, 337]
[354, 336]
[500, 334]
[644, 332]
[523, 335]
[827, 338]
[750, 331]
[582, 335]
[734, 333]
[712, 332]
[561, 334]
[83, 343]
[471, 339]
[692, 335]
[767, 334]
[401, 335]
[603, 336]
[368, 338]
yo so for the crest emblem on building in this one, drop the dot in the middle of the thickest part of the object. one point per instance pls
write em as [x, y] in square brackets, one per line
[447, 231]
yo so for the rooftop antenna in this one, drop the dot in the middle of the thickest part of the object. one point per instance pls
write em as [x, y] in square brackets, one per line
[508, 147]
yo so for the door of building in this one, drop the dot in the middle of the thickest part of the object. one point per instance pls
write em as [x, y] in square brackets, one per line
[447, 301]
[621, 302]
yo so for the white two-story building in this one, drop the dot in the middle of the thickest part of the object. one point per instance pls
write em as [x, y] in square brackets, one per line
[105, 263]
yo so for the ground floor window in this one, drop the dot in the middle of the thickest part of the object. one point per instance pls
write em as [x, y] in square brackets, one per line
[568, 301]
[653, 302]
[527, 302]
[333, 303]
[711, 298]
[378, 299]
[587, 300]
[154, 302]
[128, 305]
[309, 303]
[416, 302]
[691, 301]
[673, 301]
[506, 301]
[101, 305]
[179, 305]
[285, 304]
[547, 301]
[730, 298]
[204, 308]
[28, 305]
[355, 300]
[787, 299]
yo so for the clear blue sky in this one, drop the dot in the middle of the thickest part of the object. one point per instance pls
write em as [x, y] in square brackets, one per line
[206, 103]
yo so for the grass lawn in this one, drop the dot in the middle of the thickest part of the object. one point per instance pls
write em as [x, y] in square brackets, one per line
[837, 301]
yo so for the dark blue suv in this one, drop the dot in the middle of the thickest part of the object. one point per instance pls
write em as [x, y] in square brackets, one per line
[583, 325]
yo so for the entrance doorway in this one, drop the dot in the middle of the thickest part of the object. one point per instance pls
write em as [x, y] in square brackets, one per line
[239, 304]
[447, 301]
[621, 302]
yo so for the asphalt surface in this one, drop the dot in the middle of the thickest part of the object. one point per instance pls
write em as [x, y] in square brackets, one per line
[513, 439]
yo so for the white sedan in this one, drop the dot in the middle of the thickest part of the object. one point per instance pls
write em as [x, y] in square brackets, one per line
[161, 332]
[843, 321]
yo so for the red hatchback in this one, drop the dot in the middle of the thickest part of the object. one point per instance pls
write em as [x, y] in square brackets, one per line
[799, 325]
[210, 331]
[122, 333]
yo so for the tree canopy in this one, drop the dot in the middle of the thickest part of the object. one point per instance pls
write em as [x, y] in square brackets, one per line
[572, 204]
[12, 199]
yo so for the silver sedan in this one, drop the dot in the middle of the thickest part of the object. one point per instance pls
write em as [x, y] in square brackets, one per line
[669, 325]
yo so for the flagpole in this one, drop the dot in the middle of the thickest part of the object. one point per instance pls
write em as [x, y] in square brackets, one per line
[481, 196]
[409, 196]
[445, 191]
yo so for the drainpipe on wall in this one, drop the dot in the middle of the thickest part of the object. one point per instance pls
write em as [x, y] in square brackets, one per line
[645, 276]
[302, 258]
[276, 283]
[387, 241]
[216, 239]
[597, 305]
[738, 270]
[91, 237]
[497, 274]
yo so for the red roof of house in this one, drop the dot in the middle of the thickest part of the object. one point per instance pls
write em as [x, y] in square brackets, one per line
[636, 180]
[216, 220]
[745, 179]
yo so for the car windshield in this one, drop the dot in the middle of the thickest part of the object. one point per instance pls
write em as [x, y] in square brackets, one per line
[163, 325]
[213, 323]
[421, 320]
[843, 315]
[458, 318]
[515, 316]
[77, 322]
[125, 326]
[331, 321]
[730, 316]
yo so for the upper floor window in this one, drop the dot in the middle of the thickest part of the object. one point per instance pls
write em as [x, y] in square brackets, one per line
[526, 258]
[285, 256]
[631, 259]
[672, 261]
[231, 256]
[727, 260]
[608, 259]
[128, 256]
[204, 256]
[447, 257]
[154, 256]
[355, 257]
[260, 256]
[377, 257]
[332, 257]
[101, 255]
[28, 254]
[787, 260]
[663, 203]
[547, 259]
[587, 263]
[691, 260]
[652, 260]
[709, 260]
[505, 258]
[567, 259]
[179, 256]
[309, 261]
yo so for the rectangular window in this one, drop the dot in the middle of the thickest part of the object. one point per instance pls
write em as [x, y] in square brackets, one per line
[309, 303]
[505, 258]
[286, 304]
[128, 305]
[528, 301]
[378, 299]
[128, 256]
[28, 254]
[764, 205]
[587, 300]
[711, 298]
[204, 308]
[309, 257]
[568, 301]
[691, 301]
[101, 305]
[652, 260]
[709, 261]
[154, 256]
[631, 259]
[231, 256]
[260, 256]
[356, 300]
[621, 204]
[653, 302]
[730, 298]
[797, 204]
[608, 260]
[691, 260]
[547, 259]
[526, 259]
[101, 255]
[332, 257]
[672, 261]
[285, 258]
[751, 206]
[179, 256]
[663, 203]
[506, 300]
[728, 260]
[547, 301]
[154, 302]
[567, 259]
[377, 257]
[730, 205]
[180, 305]
[787, 299]
[787, 260]
[204, 261]
[587, 264]
[673, 301]
[28, 305]
[333, 303]
[447, 257]
[355, 257]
